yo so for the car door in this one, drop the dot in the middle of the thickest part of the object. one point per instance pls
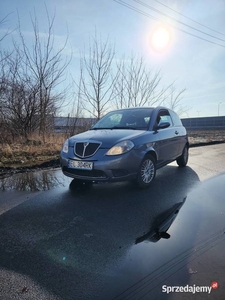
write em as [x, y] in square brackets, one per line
[180, 132]
[167, 139]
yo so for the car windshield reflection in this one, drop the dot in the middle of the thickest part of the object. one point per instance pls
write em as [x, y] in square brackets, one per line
[125, 119]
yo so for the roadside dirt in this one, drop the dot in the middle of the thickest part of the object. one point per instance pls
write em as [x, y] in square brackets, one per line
[199, 137]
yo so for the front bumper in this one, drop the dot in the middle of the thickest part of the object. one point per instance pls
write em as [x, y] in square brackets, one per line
[105, 168]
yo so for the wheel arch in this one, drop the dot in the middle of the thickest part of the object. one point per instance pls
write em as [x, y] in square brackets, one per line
[152, 153]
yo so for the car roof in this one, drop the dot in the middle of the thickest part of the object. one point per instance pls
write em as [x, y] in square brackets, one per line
[142, 107]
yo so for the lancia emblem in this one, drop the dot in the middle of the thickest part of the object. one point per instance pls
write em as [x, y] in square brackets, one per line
[85, 146]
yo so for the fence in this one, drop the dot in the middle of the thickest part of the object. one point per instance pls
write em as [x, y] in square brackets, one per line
[204, 123]
[63, 124]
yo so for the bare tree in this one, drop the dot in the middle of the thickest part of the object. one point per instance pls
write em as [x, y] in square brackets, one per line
[76, 111]
[137, 85]
[17, 98]
[46, 69]
[174, 100]
[7, 32]
[4, 54]
[96, 77]
[120, 90]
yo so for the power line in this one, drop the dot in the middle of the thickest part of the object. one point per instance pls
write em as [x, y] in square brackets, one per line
[159, 12]
[189, 18]
[157, 19]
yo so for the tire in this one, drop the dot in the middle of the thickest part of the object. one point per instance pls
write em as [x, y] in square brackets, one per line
[146, 172]
[183, 159]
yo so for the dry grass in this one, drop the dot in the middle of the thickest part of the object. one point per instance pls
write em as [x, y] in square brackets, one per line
[35, 151]
[31, 151]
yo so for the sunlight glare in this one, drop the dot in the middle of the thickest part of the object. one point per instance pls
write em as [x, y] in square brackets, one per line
[160, 38]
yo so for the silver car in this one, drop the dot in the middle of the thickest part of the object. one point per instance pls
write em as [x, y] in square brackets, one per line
[126, 144]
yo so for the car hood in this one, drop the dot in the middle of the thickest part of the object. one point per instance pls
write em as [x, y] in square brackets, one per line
[108, 137]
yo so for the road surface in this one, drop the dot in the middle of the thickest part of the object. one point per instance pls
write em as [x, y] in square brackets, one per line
[61, 242]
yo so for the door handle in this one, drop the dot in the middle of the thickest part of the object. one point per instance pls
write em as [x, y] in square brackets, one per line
[176, 132]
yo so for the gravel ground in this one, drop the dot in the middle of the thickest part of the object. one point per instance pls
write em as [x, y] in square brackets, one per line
[206, 136]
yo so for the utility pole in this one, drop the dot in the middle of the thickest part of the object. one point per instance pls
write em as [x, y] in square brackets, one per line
[219, 107]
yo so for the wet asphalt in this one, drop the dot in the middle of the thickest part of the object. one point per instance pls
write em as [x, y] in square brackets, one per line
[61, 241]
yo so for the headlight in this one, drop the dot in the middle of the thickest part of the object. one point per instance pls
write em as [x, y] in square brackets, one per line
[65, 147]
[121, 148]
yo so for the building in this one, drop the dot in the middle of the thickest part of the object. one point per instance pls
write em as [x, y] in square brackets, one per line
[72, 124]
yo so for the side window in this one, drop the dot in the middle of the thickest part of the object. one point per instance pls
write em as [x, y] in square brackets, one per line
[164, 116]
[176, 119]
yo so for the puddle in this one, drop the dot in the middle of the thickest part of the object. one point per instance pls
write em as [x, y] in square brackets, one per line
[196, 236]
[32, 181]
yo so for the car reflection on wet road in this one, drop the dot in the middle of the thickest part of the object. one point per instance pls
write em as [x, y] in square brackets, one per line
[161, 224]
[100, 242]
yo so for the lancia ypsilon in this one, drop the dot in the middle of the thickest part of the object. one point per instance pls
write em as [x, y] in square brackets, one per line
[126, 144]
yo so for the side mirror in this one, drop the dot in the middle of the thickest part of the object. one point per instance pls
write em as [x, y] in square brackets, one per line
[162, 125]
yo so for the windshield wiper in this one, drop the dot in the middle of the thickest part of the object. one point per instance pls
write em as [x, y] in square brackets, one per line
[123, 127]
[99, 128]
[114, 127]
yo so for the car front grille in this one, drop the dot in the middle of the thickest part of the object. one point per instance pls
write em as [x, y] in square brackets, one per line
[86, 149]
[86, 173]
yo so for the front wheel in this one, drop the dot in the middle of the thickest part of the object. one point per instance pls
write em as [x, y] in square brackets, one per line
[183, 159]
[146, 172]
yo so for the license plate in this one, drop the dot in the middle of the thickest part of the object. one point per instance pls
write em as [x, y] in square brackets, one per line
[82, 165]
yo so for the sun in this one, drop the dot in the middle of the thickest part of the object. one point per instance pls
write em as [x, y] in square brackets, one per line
[160, 38]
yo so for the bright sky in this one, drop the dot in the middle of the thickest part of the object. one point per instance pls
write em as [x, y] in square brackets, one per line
[194, 64]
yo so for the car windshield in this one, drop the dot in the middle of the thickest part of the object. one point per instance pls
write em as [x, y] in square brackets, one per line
[125, 119]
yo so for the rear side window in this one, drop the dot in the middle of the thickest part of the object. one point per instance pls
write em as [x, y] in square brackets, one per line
[164, 116]
[176, 119]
